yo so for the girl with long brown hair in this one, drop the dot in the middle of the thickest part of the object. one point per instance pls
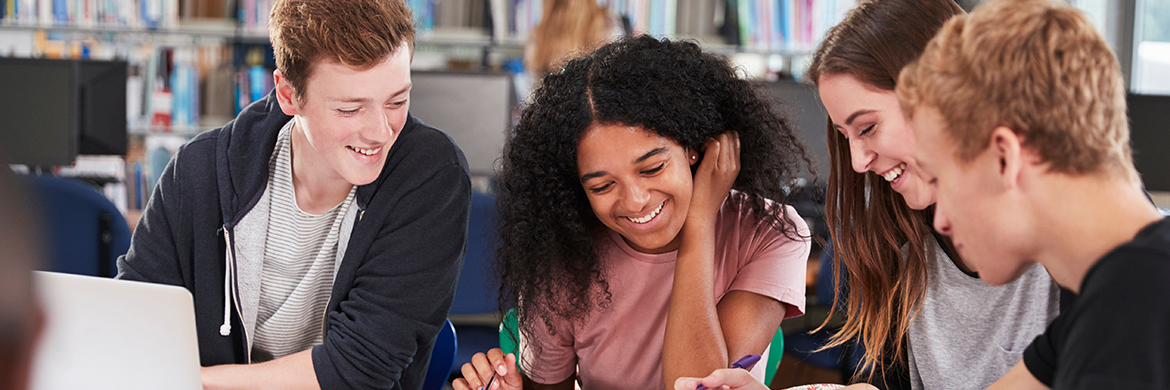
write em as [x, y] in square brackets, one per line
[914, 306]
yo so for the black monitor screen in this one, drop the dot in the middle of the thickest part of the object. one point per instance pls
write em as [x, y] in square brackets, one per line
[38, 104]
[103, 107]
[474, 108]
[802, 105]
[1150, 137]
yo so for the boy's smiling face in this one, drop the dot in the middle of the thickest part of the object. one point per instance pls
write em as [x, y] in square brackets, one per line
[980, 205]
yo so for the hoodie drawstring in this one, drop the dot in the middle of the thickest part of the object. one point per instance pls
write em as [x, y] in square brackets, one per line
[226, 328]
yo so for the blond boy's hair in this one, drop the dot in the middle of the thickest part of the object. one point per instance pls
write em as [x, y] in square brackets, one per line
[1036, 67]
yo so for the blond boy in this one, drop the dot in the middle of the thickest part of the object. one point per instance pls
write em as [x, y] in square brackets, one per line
[1019, 111]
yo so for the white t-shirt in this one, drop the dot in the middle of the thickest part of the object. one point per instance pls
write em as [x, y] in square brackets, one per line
[299, 254]
[969, 333]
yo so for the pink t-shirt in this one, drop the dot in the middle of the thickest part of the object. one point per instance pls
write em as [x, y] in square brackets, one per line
[620, 346]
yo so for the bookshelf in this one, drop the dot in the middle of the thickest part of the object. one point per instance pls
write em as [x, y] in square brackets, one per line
[195, 63]
[188, 44]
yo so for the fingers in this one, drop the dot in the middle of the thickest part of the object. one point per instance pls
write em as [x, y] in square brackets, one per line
[510, 372]
[723, 151]
[733, 152]
[729, 151]
[479, 371]
[727, 378]
[461, 384]
[733, 378]
[505, 367]
[684, 383]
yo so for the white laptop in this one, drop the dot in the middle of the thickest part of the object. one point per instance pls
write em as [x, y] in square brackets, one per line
[114, 334]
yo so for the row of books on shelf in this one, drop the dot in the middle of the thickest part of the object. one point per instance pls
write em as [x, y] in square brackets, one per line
[754, 24]
[788, 24]
[516, 19]
[147, 14]
[178, 92]
[176, 87]
[168, 86]
[761, 24]
[253, 14]
[125, 182]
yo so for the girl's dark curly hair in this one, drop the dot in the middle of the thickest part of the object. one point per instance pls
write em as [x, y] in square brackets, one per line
[547, 262]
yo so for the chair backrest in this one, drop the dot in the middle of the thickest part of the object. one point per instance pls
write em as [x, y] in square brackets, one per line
[826, 289]
[474, 295]
[84, 231]
[442, 358]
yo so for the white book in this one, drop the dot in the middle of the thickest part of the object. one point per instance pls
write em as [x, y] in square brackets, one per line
[45, 12]
[499, 19]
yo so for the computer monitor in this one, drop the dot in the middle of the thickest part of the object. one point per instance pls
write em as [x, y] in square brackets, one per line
[102, 89]
[53, 110]
[1149, 138]
[474, 108]
[38, 104]
[801, 104]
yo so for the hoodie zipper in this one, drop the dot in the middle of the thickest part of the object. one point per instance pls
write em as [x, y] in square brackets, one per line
[231, 295]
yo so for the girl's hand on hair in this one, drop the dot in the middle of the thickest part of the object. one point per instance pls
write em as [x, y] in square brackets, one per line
[727, 378]
[479, 371]
[716, 174]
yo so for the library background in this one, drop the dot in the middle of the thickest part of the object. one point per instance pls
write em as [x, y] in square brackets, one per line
[98, 94]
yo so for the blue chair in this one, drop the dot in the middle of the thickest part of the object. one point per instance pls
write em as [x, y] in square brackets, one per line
[85, 233]
[442, 358]
[475, 295]
[803, 345]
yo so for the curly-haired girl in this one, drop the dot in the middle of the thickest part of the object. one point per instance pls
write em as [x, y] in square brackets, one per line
[643, 231]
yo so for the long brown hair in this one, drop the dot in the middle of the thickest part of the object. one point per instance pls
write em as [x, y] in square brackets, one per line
[567, 27]
[869, 222]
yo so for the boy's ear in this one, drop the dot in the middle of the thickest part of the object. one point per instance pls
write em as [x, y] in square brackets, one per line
[1006, 145]
[285, 95]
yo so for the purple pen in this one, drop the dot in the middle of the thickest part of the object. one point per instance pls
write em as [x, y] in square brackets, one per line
[745, 362]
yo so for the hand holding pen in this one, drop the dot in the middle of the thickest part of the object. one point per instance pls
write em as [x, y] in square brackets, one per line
[736, 378]
[490, 371]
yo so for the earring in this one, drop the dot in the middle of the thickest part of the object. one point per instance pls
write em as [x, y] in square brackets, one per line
[694, 157]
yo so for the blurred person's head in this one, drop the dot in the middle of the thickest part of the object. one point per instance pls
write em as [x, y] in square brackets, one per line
[567, 27]
[21, 319]
[1017, 86]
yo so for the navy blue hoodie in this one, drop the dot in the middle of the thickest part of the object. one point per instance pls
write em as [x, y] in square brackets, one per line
[397, 278]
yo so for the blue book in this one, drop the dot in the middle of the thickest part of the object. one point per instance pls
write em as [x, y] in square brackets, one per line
[138, 186]
[256, 76]
[144, 13]
[657, 13]
[786, 19]
[60, 11]
[777, 27]
[181, 90]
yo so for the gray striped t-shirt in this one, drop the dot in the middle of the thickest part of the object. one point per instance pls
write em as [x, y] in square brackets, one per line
[299, 253]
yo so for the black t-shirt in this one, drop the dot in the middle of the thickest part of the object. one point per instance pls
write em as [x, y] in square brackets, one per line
[1117, 334]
